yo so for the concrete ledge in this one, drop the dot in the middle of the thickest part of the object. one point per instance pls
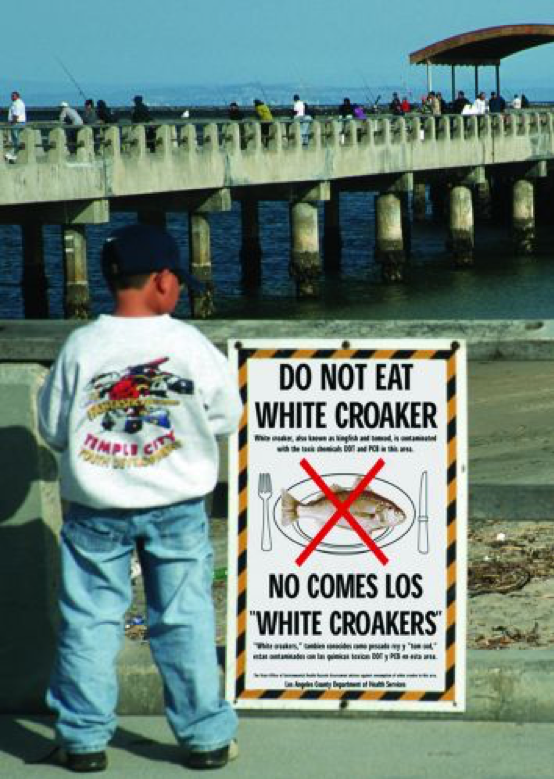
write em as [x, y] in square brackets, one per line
[511, 501]
[511, 685]
[40, 340]
[507, 685]
[30, 520]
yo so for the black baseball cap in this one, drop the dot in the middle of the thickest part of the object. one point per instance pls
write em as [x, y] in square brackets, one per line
[138, 248]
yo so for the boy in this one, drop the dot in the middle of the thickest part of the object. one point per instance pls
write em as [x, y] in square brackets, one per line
[134, 403]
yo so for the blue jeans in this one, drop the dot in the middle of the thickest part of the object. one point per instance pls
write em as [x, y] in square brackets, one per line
[14, 133]
[305, 122]
[177, 562]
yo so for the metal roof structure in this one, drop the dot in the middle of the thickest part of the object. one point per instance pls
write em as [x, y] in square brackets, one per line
[487, 46]
[484, 47]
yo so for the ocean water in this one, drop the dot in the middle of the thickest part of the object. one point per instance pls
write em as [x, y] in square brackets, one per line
[499, 285]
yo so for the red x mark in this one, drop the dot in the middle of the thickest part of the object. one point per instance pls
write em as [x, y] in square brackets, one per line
[342, 511]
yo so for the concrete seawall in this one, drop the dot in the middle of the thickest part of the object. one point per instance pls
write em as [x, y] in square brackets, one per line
[39, 340]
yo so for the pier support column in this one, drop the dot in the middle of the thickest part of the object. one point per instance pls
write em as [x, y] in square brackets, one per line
[390, 243]
[419, 202]
[461, 225]
[76, 298]
[201, 304]
[332, 237]
[523, 212]
[305, 262]
[251, 248]
[33, 283]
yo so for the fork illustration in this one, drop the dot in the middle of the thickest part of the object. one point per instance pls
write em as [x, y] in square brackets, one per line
[265, 492]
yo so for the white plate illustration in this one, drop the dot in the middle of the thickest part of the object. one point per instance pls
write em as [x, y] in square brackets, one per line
[341, 540]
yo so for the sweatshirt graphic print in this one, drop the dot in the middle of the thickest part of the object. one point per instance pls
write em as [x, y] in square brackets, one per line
[136, 400]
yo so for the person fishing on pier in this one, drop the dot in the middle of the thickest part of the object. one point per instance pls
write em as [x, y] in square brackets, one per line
[346, 113]
[480, 106]
[104, 113]
[265, 116]
[460, 102]
[69, 116]
[234, 113]
[17, 116]
[346, 109]
[300, 114]
[89, 113]
[141, 115]
[395, 105]
[497, 104]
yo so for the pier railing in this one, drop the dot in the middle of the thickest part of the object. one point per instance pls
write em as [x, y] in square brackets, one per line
[60, 162]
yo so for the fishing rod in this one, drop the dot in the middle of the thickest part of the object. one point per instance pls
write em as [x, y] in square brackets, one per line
[262, 90]
[306, 87]
[222, 95]
[299, 79]
[70, 76]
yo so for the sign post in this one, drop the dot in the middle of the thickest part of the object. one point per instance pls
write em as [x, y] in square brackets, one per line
[347, 575]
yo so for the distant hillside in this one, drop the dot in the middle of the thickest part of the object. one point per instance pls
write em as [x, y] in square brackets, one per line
[52, 93]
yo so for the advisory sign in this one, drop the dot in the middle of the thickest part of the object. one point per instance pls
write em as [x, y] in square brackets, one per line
[347, 575]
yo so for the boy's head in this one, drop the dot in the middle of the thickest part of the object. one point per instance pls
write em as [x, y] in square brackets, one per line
[142, 262]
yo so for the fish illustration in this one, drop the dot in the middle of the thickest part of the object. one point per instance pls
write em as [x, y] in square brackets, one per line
[371, 510]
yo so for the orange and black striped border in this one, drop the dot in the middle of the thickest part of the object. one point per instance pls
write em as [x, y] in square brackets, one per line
[342, 697]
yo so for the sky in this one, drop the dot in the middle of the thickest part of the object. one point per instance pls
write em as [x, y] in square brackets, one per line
[308, 43]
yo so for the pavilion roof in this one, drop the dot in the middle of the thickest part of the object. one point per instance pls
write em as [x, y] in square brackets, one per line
[487, 46]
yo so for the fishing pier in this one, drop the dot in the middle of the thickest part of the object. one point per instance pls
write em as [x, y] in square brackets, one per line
[74, 177]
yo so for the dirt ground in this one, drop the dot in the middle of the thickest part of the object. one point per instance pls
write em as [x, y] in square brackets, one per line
[510, 586]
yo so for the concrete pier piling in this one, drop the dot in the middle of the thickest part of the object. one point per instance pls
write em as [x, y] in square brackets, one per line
[523, 213]
[202, 304]
[389, 239]
[332, 236]
[34, 285]
[461, 230]
[77, 299]
[251, 247]
[305, 261]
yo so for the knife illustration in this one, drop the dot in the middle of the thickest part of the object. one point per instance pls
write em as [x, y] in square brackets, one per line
[423, 518]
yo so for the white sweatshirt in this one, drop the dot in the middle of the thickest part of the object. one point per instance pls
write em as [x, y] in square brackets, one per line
[134, 406]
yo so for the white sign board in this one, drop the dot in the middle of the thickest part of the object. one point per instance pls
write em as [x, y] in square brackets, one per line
[347, 575]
